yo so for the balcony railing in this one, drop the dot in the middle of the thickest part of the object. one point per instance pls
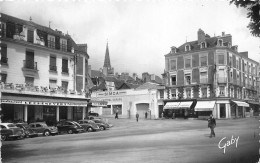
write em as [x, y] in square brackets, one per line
[65, 70]
[4, 60]
[53, 68]
[222, 80]
[30, 64]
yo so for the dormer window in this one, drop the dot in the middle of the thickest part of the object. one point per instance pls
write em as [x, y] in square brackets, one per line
[220, 42]
[187, 48]
[173, 49]
[203, 45]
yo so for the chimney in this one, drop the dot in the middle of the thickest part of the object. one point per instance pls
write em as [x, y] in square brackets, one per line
[173, 49]
[201, 36]
[235, 48]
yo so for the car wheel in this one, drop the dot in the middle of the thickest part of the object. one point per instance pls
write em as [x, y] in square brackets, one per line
[3, 137]
[46, 133]
[70, 132]
[90, 129]
[102, 128]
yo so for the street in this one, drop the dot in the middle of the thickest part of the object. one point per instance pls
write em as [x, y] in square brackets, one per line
[167, 140]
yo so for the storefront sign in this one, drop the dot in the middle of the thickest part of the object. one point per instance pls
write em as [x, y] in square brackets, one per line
[112, 93]
[43, 103]
[99, 103]
[113, 99]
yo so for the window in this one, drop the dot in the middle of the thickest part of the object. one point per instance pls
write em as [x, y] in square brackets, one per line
[173, 92]
[64, 85]
[30, 36]
[53, 84]
[188, 92]
[173, 64]
[204, 77]
[237, 64]
[245, 67]
[204, 92]
[38, 125]
[221, 90]
[238, 78]
[65, 66]
[4, 58]
[249, 69]
[187, 62]
[203, 60]
[161, 94]
[232, 92]
[51, 42]
[29, 80]
[230, 61]
[238, 93]
[29, 60]
[203, 45]
[53, 66]
[220, 42]
[173, 80]
[231, 76]
[3, 77]
[63, 45]
[221, 59]
[187, 79]
[187, 47]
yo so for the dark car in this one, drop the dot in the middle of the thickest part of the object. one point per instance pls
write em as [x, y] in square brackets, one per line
[102, 124]
[90, 117]
[93, 113]
[43, 128]
[10, 130]
[89, 125]
[27, 130]
[69, 127]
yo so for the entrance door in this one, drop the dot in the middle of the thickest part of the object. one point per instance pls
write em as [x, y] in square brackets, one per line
[222, 110]
[141, 109]
[7, 112]
[31, 113]
[63, 112]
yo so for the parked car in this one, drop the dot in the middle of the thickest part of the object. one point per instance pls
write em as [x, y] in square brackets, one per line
[10, 130]
[93, 113]
[42, 128]
[90, 117]
[27, 130]
[89, 125]
[102, 124]
[70, 127]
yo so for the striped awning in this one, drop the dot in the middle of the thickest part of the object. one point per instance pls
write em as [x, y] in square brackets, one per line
[205, 105]
[241, 103]
[171, 105]
[185, 104]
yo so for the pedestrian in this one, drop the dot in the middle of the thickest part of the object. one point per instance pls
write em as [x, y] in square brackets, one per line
[137, 116]
[212, 125]
[162, 115]
[116, 117]
[173, 115]
[146, 115]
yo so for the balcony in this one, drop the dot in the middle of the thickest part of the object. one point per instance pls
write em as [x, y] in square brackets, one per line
[4, 60]
[65, 70]
[53, 68]
[222, 80]
[27, 64]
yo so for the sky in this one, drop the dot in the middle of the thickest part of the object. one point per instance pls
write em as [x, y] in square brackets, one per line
[139, 32]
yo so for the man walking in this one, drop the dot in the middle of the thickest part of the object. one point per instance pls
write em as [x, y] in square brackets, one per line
[146, 115]
[116, 117]
[212, 125]
[137, 116]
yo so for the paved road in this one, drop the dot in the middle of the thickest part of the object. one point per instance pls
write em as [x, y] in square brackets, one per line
[146, 141]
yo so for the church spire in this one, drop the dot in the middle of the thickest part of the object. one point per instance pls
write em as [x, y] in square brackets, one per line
[107, 58]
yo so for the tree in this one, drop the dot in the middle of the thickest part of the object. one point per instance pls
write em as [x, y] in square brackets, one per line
[253, 7]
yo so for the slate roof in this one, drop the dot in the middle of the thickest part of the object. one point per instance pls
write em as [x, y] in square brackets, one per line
[96, 73]
[150, 85]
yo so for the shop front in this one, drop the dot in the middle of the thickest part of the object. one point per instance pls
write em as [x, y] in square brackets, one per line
[178, 109]
[205, 108]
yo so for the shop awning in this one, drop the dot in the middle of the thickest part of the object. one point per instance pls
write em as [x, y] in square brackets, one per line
[171, 105]
[241, 103]
[185, 104]
[253, 102]
[205, 105]
[42, 100]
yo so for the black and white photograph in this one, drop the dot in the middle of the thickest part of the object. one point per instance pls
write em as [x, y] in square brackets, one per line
[130, 81]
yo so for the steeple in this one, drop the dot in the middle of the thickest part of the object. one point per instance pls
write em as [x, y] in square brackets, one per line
[107, 58]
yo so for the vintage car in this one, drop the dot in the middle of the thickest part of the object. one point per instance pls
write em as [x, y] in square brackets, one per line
[10, 130]
[90, 117]
[27, 130]
[41, 128]
[93, 113]
[102, 124]
[69, 127]
[89, 125]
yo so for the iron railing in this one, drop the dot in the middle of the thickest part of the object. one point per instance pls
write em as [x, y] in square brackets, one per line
[30, 64]
[53, 68]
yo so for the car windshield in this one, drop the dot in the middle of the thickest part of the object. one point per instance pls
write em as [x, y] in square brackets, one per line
[11, 125]
[76, 123]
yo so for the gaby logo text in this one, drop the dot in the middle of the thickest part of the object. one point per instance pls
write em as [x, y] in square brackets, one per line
[223, 144]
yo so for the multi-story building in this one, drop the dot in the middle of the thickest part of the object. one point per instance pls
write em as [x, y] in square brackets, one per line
[209, 75]
[40, 79]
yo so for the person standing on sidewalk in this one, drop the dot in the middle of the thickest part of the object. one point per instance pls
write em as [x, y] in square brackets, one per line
[116, 117]
[212, 125]
[146, 115]
[137, 116]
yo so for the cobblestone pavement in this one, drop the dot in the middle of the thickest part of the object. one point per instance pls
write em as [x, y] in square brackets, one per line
[156, 141]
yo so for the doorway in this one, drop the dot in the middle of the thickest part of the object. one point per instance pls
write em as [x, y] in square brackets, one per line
[222, 110]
